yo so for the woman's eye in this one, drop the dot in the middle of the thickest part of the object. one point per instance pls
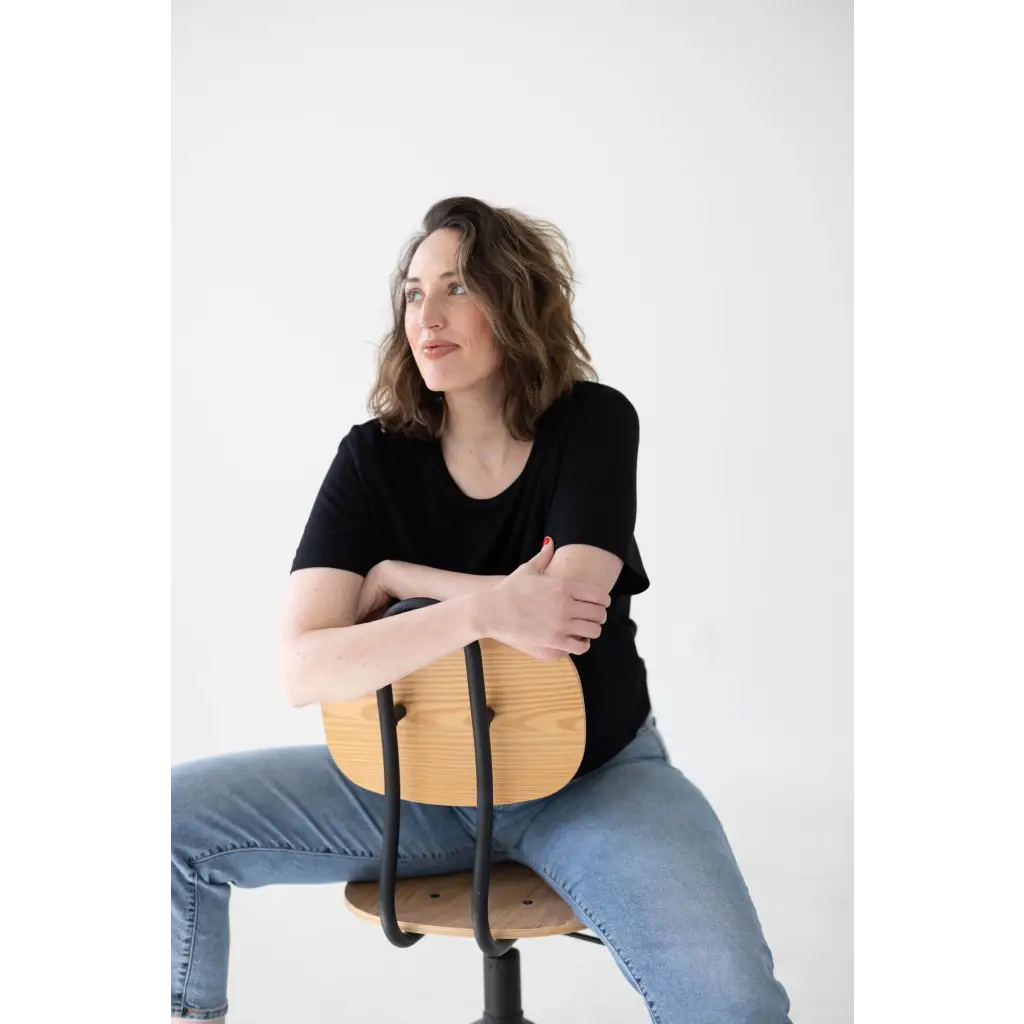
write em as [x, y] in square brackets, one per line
[413, 291]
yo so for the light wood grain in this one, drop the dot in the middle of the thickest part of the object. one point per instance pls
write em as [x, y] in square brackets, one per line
[520, 904]
[537, 736]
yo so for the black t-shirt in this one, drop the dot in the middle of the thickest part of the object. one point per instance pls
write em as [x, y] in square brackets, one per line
[389, 496]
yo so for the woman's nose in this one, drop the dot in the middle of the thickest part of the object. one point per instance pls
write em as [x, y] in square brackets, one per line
[430, 314]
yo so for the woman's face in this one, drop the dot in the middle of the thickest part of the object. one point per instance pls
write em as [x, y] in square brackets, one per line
[450, 337]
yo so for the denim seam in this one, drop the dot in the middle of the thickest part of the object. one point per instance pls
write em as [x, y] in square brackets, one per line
[187, 1014]
[602, 931]
[190, 945]
[216, 1014]
[263, 848]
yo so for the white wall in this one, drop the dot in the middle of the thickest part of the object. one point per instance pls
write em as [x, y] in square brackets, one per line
[698, 156]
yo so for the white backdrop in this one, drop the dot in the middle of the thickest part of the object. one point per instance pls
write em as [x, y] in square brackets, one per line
[699, 158]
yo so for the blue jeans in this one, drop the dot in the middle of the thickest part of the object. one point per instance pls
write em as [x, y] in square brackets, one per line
[633, 847]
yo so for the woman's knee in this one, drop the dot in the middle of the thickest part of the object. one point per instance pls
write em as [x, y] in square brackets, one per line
[198, 789]
[734, 986]
[276, 799]
[723, 986]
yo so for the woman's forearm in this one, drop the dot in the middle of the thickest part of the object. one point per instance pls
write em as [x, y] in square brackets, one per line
[406, 579]
[339, 664]
[403, 580]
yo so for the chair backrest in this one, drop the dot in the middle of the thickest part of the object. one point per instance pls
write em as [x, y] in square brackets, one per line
[483, 726]
[537, 734]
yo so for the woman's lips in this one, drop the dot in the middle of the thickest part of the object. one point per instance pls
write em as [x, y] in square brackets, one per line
[438, 351]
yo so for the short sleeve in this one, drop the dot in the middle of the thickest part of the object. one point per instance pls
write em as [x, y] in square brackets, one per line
[339, 532]
[595, 496]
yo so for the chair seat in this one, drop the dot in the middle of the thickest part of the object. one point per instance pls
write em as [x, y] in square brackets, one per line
[520, 904]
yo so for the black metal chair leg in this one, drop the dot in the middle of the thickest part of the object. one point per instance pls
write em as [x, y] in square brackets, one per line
[390, 715]
[482, 716]
[503, 994]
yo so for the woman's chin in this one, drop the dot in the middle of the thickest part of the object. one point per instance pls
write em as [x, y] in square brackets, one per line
[440, 381]
[434, 383]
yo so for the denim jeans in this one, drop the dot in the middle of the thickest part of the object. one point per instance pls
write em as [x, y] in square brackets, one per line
[633, 847]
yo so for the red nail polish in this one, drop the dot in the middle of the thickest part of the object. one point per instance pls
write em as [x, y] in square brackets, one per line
[547, 541]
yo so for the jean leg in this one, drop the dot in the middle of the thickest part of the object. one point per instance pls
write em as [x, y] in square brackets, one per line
[639, 852]
[279, 816]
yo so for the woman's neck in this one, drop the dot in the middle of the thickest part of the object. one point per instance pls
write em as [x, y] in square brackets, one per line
[475, 429]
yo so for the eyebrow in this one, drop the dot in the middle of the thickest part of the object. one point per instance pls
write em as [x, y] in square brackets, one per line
[447, 273]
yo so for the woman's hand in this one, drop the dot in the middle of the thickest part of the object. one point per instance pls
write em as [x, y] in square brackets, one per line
[543, 616]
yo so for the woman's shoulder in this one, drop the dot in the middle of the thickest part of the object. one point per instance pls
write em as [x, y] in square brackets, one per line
[376, 449]
[596, 391]
[589, 399]
[371, 435]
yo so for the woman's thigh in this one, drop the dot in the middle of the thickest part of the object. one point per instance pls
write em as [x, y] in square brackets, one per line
[640, 853]
[278, 816]
[288, 815]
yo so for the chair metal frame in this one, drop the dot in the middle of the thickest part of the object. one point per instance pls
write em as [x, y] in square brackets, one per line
[502, 978]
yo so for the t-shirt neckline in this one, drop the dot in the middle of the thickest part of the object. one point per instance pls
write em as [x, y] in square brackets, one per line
[460, 495]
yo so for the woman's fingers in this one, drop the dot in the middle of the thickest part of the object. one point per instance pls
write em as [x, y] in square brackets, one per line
[590, 594]
[587, 610]
[584, 628]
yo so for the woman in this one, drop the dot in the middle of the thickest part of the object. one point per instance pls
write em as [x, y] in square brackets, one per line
[498, 477]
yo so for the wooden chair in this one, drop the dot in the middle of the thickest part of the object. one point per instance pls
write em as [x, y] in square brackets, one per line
[441, 736]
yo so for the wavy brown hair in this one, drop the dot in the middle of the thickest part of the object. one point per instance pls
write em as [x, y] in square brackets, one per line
[518, 270]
